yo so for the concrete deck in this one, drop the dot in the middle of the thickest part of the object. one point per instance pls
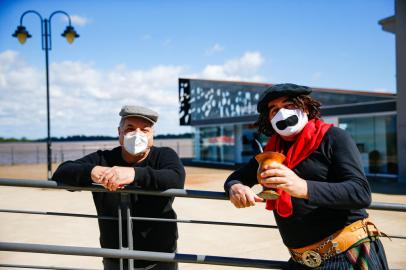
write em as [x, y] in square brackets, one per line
[194, 238]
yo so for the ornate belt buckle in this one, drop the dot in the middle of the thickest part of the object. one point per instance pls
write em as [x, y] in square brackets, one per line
[311, 258]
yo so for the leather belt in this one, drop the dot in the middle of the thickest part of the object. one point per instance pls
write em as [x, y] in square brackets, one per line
[315, 254]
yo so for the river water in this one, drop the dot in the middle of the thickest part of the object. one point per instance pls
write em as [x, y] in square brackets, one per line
[35, 152]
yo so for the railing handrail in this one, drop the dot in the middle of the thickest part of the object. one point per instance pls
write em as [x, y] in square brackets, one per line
[141, 255]
[29, 266]
[206, 222]
[187, 193]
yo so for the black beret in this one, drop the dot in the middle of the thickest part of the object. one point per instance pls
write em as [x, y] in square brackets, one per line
[280, 90]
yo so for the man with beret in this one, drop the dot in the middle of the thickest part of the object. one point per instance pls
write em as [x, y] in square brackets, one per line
[322, 188]
[136, 162]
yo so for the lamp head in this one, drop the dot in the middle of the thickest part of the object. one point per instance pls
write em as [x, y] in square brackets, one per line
[70, 34]
[21, 34]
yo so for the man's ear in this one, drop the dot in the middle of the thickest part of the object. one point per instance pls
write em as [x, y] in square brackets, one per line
[151, 140]
[120, 138]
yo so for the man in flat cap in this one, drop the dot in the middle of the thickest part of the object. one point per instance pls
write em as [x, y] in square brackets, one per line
[136, 162]
[322, 188]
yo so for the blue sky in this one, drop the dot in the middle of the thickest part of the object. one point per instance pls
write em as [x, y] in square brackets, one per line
[134, 52]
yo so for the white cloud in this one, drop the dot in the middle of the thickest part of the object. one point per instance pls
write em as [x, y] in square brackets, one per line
[86, 100]
[243, 68]
[22, 95]
[77, 20]
[383, 90]
[216, 48]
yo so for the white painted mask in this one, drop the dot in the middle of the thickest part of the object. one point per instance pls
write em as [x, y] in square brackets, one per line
[288, 122]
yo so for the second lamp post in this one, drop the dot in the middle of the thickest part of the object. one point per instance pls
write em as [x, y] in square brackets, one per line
[22, 34]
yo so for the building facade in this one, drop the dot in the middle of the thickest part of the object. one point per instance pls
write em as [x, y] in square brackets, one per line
[223, 114]
[396, 24]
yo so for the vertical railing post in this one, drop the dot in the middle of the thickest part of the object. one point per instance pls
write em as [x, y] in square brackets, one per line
[37, 151]
[62, 155]
[12, 155]
[129, 233]
[120, 234]
[125, 215]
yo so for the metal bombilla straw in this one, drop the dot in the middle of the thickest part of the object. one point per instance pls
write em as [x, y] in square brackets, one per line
[259, 145]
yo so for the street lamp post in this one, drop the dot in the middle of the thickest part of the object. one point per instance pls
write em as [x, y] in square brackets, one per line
[22, 34]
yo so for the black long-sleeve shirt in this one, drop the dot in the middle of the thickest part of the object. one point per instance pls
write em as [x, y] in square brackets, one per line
[161, 170]
[337, 187]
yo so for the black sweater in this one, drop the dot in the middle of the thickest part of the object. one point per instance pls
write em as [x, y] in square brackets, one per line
[337, 187]
[161, 170]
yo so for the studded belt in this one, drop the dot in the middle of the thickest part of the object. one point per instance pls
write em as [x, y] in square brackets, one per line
[315, 254]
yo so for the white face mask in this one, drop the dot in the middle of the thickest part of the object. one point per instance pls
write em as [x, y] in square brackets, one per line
[135, 142]
[289, 122]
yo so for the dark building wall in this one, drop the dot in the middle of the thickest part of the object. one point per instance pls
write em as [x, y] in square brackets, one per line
[206, 102]
[401, 84]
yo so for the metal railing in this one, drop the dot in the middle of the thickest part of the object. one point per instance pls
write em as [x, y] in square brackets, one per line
[124, 217]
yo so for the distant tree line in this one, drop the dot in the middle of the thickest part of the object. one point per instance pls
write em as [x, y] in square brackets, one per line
[81, 138]
[23, 139]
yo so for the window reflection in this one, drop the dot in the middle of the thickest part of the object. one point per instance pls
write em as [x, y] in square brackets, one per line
[376, 140]
[217, 143]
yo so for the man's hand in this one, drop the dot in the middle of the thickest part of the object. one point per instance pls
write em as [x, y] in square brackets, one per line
[279, 176]
[113, 178]
[243, 196]
[97, 172]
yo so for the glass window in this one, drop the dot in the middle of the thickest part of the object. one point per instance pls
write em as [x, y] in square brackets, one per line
[376, 140]
[217, 144]
[249, 145]
[328, 99]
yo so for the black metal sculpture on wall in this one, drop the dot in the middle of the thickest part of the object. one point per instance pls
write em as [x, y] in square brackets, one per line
[202, 101]
[184, 100]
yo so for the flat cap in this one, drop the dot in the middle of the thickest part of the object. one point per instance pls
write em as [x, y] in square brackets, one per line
[280, 90]
[139, 111]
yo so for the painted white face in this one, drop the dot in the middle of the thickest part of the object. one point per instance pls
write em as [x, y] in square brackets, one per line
[135, 142]
[287, 122]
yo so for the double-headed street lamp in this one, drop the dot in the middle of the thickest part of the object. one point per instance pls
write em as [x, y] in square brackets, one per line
[22, 34]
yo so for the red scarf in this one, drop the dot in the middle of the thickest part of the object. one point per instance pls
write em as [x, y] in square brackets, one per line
[307, 142]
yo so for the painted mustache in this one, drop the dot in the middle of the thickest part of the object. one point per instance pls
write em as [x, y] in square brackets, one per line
[290, 121]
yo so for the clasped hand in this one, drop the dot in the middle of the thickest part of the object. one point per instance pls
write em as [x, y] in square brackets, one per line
[277, 175]
[113, 178]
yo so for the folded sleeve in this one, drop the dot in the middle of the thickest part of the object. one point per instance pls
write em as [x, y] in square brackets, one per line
[246, 175]
[168, 172]
[77, 172]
